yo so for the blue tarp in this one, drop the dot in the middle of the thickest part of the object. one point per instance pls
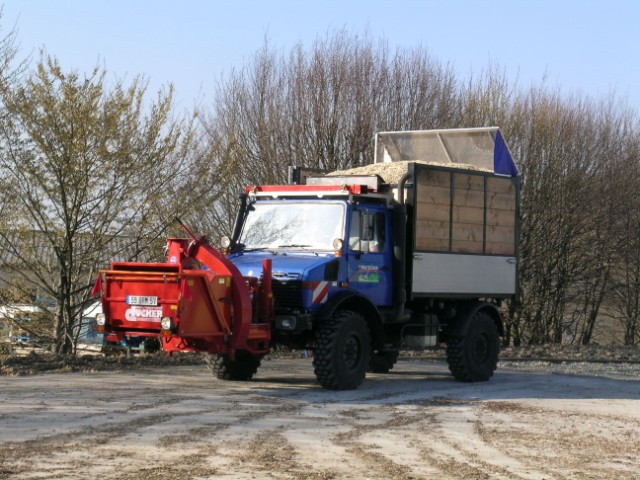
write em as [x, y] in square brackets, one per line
[502, 161]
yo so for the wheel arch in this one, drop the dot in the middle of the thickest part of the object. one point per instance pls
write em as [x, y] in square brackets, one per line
[467, 311]
[350, 300]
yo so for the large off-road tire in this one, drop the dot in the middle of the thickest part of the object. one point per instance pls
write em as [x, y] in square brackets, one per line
[382, 362]
[474, 356]
[342, 349]
[242, 368]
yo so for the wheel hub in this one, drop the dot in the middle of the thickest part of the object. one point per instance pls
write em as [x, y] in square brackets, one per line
[481, 349]
[351, 352]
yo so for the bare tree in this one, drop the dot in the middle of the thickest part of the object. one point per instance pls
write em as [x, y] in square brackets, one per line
[625, 297]
[609, 129]
[554, 191]
[574, 192]
[320, 109]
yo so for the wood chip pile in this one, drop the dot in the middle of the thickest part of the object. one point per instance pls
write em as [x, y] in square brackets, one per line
[392, 172]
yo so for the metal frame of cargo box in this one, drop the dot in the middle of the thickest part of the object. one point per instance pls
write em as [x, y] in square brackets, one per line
[411, 200]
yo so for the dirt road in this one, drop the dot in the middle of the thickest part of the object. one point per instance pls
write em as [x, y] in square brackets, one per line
[178, 422]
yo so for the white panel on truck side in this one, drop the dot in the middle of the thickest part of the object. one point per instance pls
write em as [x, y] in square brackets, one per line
[456, 274]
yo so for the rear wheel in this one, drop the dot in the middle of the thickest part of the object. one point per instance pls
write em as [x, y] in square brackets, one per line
[341, 351]
[382, 362]
[242, 368]
[474, 356]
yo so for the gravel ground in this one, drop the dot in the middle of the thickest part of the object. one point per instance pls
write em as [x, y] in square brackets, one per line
[153, 418]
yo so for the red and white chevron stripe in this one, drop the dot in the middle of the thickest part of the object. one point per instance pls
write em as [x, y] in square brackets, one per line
[320, 291]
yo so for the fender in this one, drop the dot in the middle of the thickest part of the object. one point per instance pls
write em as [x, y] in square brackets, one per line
[466, 312]
[352, 300]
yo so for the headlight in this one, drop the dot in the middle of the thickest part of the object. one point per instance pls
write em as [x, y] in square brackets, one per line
[101, 319]
[166, 323]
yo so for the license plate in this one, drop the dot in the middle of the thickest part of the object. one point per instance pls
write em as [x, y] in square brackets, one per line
[139, 300]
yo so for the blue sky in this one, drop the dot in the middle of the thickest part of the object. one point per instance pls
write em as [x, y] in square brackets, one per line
[585, 46]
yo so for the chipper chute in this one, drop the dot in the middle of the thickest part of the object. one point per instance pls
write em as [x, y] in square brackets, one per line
[196, 301]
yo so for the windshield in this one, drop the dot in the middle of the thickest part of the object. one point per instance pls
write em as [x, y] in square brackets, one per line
[312, 225]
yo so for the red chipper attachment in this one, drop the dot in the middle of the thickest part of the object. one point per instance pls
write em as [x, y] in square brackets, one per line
[196, 301]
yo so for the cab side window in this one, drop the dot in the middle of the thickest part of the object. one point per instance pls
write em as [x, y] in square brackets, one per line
[367, 233]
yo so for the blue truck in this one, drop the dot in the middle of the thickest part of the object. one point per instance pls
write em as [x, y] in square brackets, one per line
[416, 250]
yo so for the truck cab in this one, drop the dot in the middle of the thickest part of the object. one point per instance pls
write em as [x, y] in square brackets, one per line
[322, 242]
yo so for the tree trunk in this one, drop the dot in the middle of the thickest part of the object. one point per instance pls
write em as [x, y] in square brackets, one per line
[59, 328]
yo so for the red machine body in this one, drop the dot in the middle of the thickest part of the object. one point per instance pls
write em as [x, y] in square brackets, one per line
[196, 301]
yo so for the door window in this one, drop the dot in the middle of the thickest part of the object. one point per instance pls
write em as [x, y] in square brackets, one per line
[367, 233]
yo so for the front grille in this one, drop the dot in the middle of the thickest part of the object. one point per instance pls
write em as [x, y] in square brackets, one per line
[287, 295]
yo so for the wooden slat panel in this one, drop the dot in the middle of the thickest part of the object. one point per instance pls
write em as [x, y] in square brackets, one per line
[497, 248]
[434, 195]
[503, 201]
[502, 218]
[435, 208]
[467, 232]
[500, 234]
[465, 181]
[432, 229]
[432, 212]
[468, 215]
[434, 178]
[461, 246]
[438, 245]
[501, 185]
[468, 198]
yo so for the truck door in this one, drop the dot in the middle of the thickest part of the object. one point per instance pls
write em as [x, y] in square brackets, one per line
[369, 258]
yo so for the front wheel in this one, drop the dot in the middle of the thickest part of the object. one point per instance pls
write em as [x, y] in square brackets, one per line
[243, 367]
[342, 349]
[473, 357]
